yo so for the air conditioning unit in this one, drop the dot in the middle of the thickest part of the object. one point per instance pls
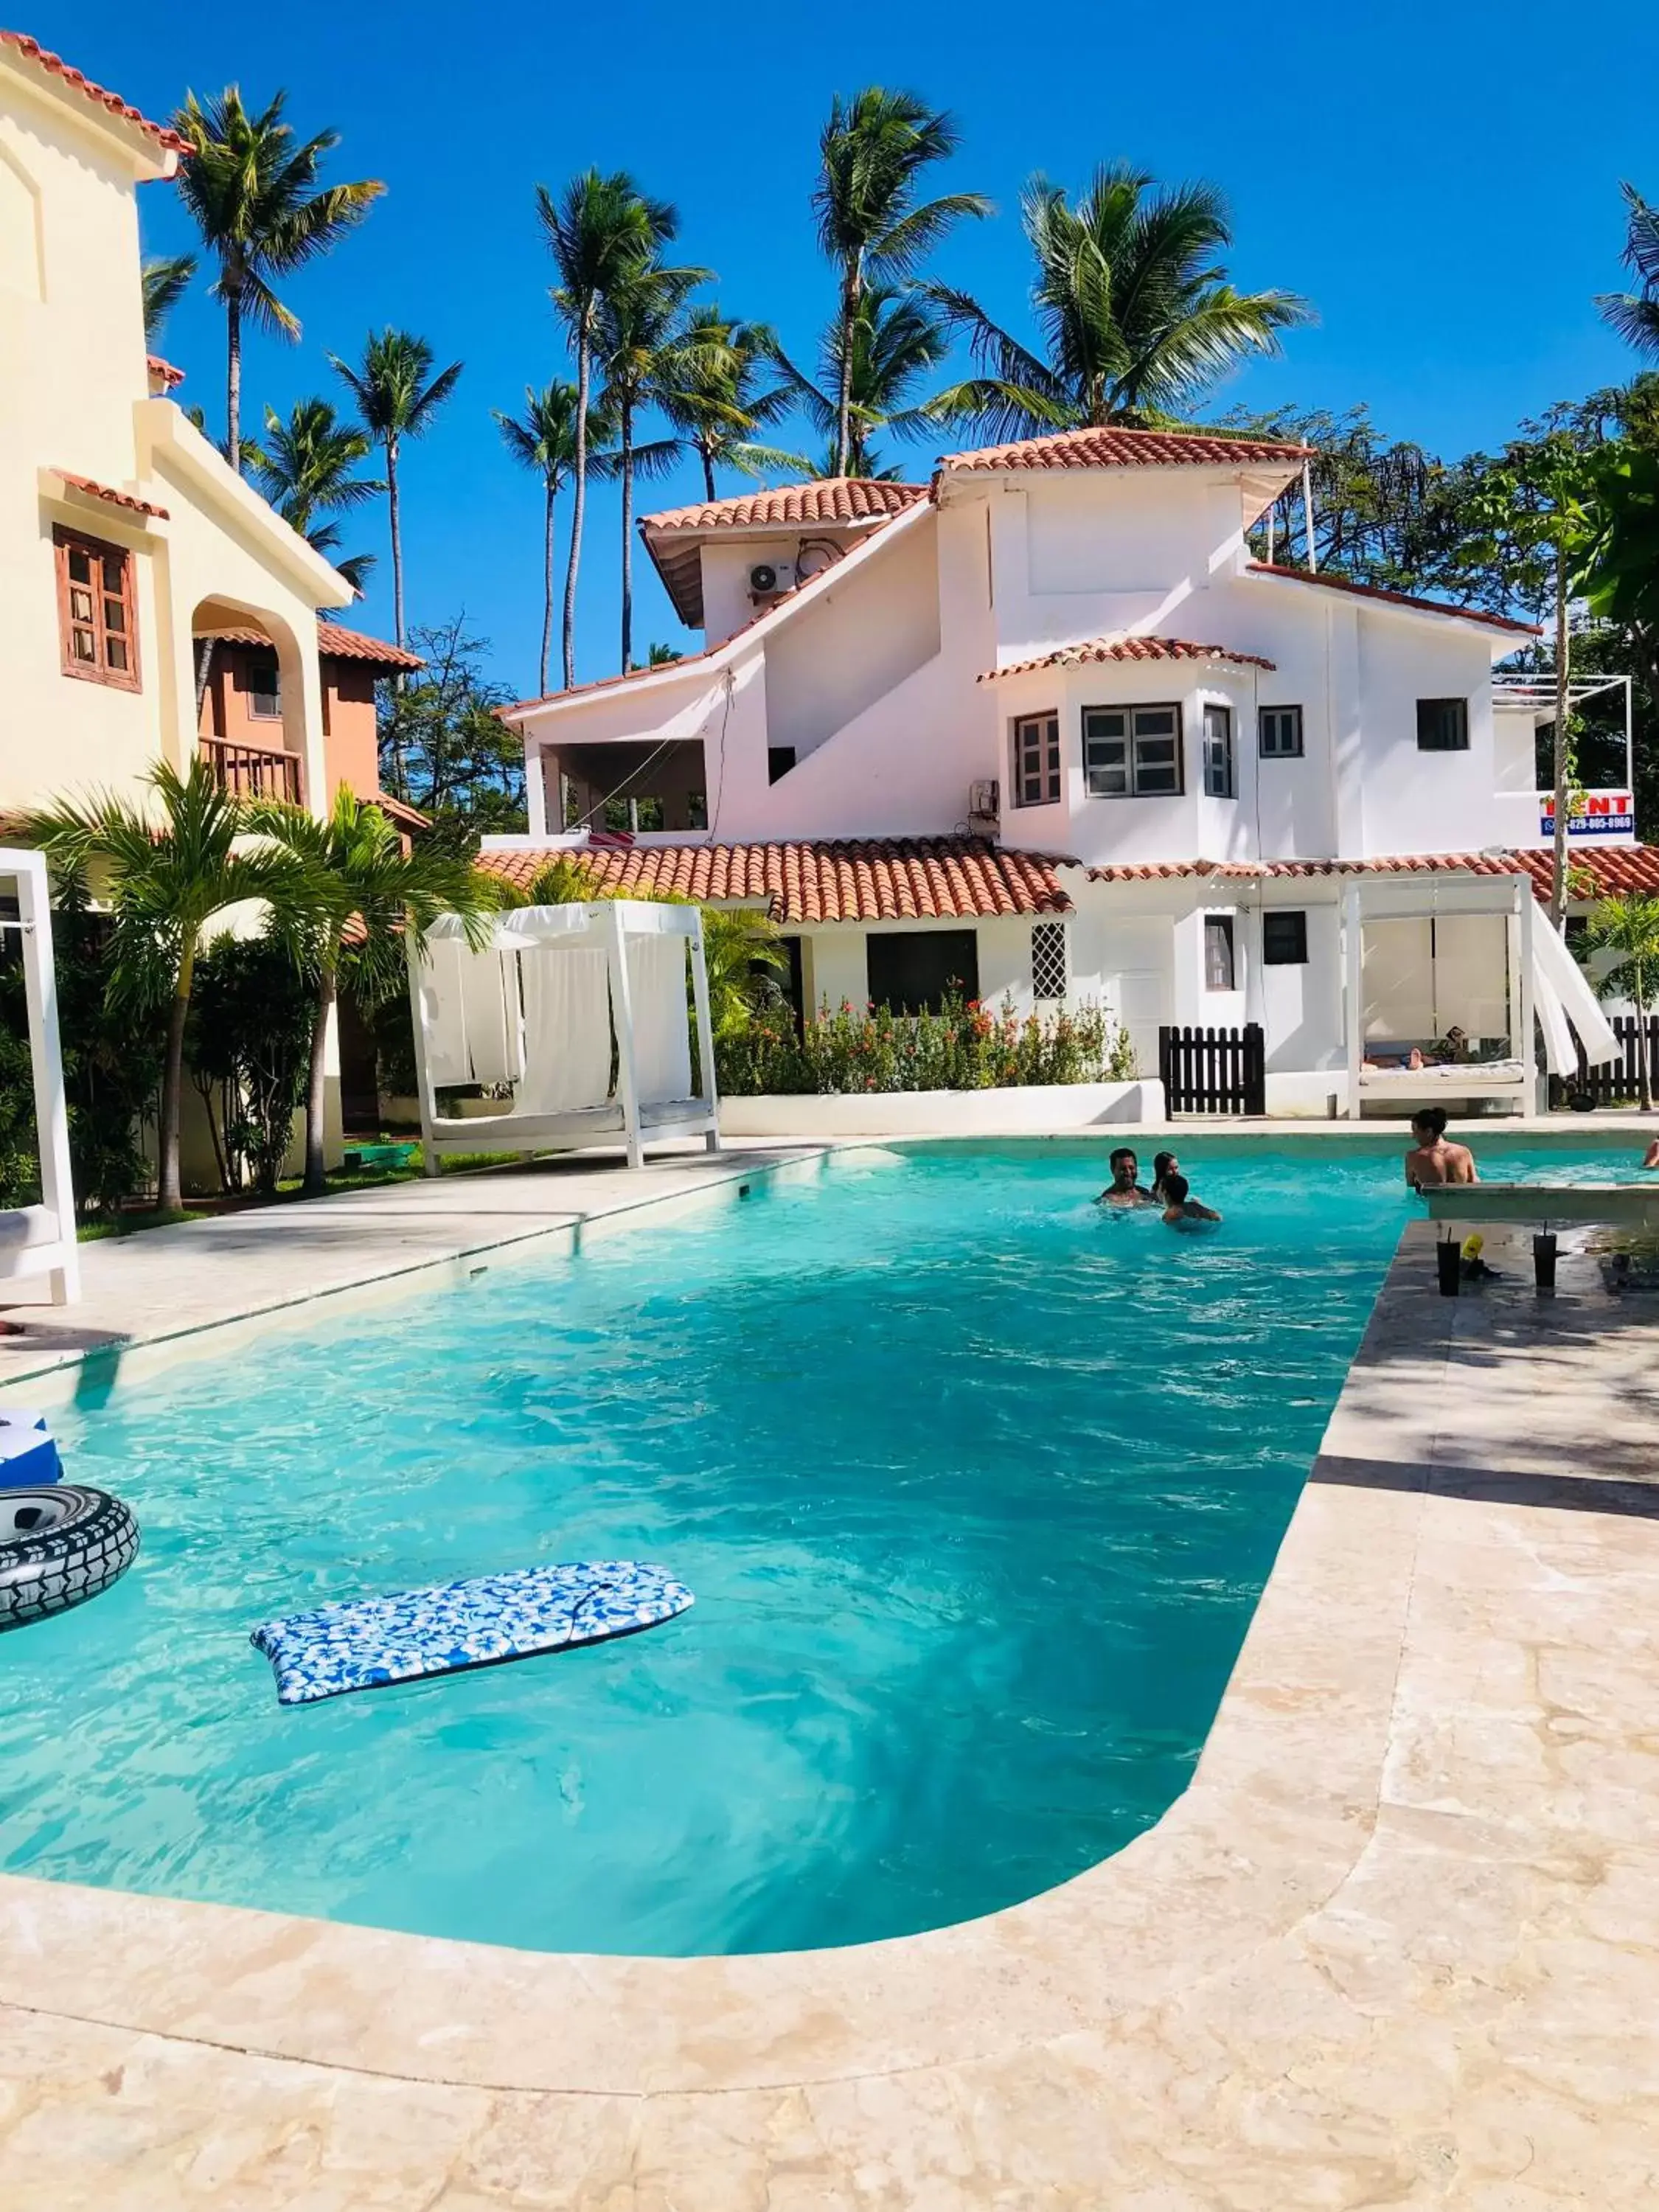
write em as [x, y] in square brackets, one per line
[767, 578]
[984, 803]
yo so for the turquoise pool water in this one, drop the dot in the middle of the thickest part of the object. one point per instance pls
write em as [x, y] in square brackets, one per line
[977, 1487]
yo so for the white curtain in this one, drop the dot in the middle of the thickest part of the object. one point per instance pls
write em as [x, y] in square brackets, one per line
[443, 1020]
[1398, 986]
[567, 1031]
[490, 1003]
[662, 1036]
[1552, 964]
[1471, 971]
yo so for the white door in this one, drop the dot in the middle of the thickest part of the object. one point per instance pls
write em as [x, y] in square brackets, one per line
[1135, 982]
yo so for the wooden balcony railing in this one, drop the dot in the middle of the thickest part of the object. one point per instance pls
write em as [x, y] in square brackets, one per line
[252, 771]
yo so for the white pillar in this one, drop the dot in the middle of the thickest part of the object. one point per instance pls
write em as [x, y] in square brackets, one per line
[1354, 995]
[710, 1092]
[425, 1089]
[45, 1051]
[610, 913]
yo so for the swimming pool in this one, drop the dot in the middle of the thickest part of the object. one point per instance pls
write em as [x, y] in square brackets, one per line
[976, 1486]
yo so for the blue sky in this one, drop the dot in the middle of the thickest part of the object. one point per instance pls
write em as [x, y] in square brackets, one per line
[1394, 165]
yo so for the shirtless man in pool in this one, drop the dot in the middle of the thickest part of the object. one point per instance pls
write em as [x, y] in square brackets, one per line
[1432, 1161]
[1125, 1188]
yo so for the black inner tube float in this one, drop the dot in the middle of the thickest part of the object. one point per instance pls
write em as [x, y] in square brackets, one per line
[60, 1547]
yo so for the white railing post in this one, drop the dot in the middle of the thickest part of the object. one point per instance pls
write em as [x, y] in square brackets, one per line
[45, 1051]
[710, 1091]
[622, 1005]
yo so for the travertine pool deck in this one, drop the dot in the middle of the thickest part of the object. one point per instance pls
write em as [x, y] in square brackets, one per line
[1397, 1945]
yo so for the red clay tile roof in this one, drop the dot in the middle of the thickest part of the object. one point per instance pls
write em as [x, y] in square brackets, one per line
[1126, 648]
[163, 372]
[674, 538]
[1392, 598]
[886, 879]
[396, 811]
[1615, 868]
[55, 65]
[833, 502]
[1123, 449]
[331, 638]
[107, 492]
[1619, 868]
[351, 645]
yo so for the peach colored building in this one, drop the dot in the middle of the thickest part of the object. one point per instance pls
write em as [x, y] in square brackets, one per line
[241, 728]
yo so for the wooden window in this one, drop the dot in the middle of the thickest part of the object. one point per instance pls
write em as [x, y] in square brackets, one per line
[1131, 752]
[1217, 752]
[95, 611]
[1279, 731]
[1037, 760]
[1442, 725]
[1285, 939]
[1218, 968]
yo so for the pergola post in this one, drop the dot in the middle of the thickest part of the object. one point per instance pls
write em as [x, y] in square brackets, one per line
[28, 870]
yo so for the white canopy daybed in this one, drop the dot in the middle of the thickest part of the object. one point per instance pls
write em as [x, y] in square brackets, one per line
[1418, 965]
[581, 1010]
[39, 1240]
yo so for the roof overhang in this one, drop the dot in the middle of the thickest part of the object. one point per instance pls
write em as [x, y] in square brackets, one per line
[163, 431]
[149, 150]
[700, 667]
[1501, 632]
[101, 504]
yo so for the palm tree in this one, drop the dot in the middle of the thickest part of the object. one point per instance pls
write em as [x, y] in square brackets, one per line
[261, 213]
[643, 352]
[543, 439]
[165, 283]
[1635, 316]
[872, 151]
[896, 341]
[1628, 927]
[397, 397]
[364, 898]
[1137, 314]
[304, 467]
[596, 231]
[165, 879]
[716, 404]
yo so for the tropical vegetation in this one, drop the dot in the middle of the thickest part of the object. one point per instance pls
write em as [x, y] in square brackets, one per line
[397, 394]
[258, 200]
[1626, 930]
[306, 464]
[963, 1046]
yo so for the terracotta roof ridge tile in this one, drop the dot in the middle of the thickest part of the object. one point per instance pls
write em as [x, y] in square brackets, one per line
[826, 502]
[108, 493]
[1112, 446]
[1137, 646]
[111, 102]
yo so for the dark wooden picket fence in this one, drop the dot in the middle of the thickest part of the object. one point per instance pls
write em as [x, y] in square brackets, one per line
[1213, 1071]
[1615, 1082]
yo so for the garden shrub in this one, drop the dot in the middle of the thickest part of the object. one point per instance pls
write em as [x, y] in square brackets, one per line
[964, 1046]
[248, 1048]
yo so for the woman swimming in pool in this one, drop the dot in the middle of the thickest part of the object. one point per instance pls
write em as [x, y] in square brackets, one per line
[1164, 1164]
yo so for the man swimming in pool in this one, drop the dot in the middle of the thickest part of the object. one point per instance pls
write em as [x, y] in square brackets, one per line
[1124, 1189]
[1433, 1162]
[1180, 1210]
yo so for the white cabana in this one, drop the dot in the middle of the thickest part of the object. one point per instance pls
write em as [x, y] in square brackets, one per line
[582, 1011]
[1423, 954]
[39, 1240]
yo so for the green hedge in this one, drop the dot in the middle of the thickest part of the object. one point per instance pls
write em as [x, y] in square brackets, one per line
[964, 1046]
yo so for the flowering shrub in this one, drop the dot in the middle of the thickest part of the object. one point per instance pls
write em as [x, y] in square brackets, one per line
[964, 1046]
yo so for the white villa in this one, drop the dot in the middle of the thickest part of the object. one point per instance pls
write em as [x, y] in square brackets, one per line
[1043, 727]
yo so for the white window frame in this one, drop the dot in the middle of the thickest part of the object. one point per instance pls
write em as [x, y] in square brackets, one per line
[1130, 739]
[1279, 722]
[1047, 932]
[1041, 733]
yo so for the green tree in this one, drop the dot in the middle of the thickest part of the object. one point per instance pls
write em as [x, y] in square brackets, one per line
[261, 212]
[304, 466]
[643, 350]
[444, 747]
[364, 898]
[1635, 315]
[721, 396]
[543, 440]
[166, 281]
[166, 872]
[598, 230]
[1628, 927]
[895, 343]
[396, 396]
[1139, 318]
[872, 225]
[248, 1048]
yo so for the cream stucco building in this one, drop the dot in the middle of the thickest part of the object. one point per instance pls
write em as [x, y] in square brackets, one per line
[123, 534]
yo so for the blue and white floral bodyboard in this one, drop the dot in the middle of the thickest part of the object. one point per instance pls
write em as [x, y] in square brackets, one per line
[368, 1642]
